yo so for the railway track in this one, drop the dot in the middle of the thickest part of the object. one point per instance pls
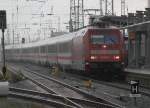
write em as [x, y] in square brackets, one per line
[18, 92]
[48, 99]
[85, 101]
[122, 85]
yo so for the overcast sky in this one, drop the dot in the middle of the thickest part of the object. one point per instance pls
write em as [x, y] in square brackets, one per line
[29, 11]
[61, 7]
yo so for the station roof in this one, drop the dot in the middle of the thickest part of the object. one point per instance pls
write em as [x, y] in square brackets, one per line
[144, 26]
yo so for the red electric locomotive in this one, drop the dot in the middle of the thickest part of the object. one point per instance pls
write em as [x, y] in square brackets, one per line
[100, 48]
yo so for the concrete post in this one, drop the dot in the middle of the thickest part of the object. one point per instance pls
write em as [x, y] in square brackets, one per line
[138, 48]
[129, 52]
[148, 49]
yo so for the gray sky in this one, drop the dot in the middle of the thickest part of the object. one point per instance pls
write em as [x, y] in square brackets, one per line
[61, 7]
[26, 9]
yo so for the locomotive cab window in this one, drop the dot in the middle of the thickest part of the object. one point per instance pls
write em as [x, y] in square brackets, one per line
[97, 39]
[104, 39]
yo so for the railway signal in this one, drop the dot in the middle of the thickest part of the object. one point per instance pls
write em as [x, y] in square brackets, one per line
[135, 90]
[23, 40]
[3, 19]
[3, 27]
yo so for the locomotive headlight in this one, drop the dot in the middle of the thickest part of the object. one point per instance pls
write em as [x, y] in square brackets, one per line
[93, 57]
[117, 57]
[104, 46]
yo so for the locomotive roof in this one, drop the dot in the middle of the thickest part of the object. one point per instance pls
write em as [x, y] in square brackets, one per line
[52, 40]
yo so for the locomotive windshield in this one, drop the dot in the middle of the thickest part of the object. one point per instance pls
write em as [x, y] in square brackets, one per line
[104, 39]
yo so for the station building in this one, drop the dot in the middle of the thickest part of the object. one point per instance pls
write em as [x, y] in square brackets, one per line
[139, 45]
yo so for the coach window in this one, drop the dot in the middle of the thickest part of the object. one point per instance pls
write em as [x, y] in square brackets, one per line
[17, 51]
[14, 51]
[43, 49]
[25, 50]
[35, 50]
[51, 48]
[31, 50]
[28, 50]
[60, 48]
[63, 47]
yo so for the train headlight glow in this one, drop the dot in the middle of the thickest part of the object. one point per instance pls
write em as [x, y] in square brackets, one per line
[104, 46]
[93, 57]
[117, 57]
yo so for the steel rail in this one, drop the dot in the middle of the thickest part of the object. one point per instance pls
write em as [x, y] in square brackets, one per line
[143, 92]
[42, 94]
[39, 99]
[109, 104]
[115, 85]
[82, 102]
[86, 94]
[58, 97]
[47, 88]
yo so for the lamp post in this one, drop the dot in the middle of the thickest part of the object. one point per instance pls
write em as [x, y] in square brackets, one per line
[3, 27]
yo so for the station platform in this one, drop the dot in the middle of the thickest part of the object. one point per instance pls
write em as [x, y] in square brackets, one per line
[138, 71]
[143, 75]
